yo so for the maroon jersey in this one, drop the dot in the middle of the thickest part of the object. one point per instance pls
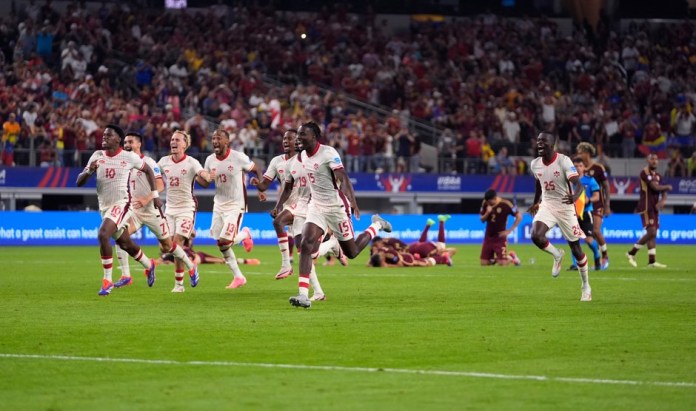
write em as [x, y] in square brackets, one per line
[423, 249]
[497, 220]
[599, 173]
[648, 197]
[395, 243]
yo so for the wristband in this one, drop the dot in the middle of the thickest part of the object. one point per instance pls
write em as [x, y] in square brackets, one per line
[155, 194]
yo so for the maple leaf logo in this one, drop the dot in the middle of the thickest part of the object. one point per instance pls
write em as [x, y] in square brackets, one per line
[556, 173]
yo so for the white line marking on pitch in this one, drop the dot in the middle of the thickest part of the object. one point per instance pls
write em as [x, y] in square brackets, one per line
[356, 369]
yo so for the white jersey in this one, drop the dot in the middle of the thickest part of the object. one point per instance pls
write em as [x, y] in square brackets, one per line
[140, 187]
[230, 180]
[112, 175]
[179, 178]
[554, 179]
[301, 192]
[320, 166]
[276, 168]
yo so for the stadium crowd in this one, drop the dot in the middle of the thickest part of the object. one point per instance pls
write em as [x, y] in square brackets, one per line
[490, 84]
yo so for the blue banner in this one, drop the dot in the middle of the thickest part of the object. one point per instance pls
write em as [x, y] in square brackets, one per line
[81, 228]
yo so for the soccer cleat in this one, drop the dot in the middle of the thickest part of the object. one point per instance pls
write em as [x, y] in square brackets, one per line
[557, 264]
[300, 301]
[123, 281]
[237, 282]
[444, 217]
[573, 267]
[318, 297]
[515, 260]
[252, 261]
[150, 273]
[178, 288]
[193, 276]
[248, 242]
[386, 225]
[284, 272]
[448, 259]
[605, 263]
[429, 222]
[586, 295]
[632, 260]
[656, 265]
[107, 286]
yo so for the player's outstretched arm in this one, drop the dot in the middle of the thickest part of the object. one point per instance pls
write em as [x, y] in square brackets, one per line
[347, 189]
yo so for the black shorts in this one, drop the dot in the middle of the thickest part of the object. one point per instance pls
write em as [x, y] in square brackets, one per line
[586, 224]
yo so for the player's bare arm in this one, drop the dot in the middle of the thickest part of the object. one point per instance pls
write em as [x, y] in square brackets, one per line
[537, 199]
[284, 195]
[663, 199]
[662, 188]
[154, 192]
[488, 212]
[577, 189]
[203, 182]
[518, 220]
[86, 174]
[347, 189]
[607, 199]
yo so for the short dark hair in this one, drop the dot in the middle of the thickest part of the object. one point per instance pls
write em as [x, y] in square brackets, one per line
[376, 238]
[577, 160]
[118, 130]
[223, 131]
[136, 135]
[490, 194]
[291, 130]
[314, 127]
[376, 260]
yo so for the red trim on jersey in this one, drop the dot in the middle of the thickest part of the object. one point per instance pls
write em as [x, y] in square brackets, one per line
[123, 213]
[346, 204]
[226, 155]
[555, 156]
[245, 192]
[182, 159]
[265, 177]
[315, 150]
[106, 153]
[338, 168]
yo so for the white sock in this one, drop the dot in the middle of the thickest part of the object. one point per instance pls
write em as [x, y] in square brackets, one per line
[284, 250]
[179, 277]
[603, 247]
[241, 236]
[231, 261]
[142, 259]
[552, 250]
[314, 281]
[123, 261]
[583, 268]
[328, 246]
[107, 265]
[181, 255]
[304, 284]
[373, 229]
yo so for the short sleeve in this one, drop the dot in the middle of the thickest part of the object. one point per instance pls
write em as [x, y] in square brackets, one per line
[136, 161]
[569, 168]
[247, 164]
[196, 166]
[94, 157]
[594, 186]
[272, 171]
[334, 159]
[207, 163]
[155, 168]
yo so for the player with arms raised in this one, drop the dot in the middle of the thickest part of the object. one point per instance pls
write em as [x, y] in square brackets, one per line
[113, 166]
[330, 206]
[653, 196]
[179, 172]
[558, 187]
[227, 167]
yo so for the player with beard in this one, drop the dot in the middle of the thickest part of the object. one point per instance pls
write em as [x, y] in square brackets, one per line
[558, 187]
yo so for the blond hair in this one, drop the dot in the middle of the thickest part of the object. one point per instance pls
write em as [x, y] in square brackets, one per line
[187, 137]
[586, 147]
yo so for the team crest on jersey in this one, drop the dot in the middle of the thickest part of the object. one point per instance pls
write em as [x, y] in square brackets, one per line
[230, 168]
[294, 172]
[498, 210]
[124, 163]
[556, 173]
[183, 172]
[139, 173]
[316, 166]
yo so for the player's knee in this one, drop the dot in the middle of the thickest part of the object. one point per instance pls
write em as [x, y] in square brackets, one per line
[224, 245]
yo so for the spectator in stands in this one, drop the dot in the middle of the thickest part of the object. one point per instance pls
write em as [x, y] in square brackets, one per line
[676, 165]
[654, 141]
[11, 131]
[628, 131]
[683, 121]
[501, 163]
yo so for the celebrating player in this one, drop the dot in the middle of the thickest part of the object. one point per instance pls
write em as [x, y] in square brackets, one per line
[144, 213]
[332, 198]
[602, 207]
[653, 196]
[113, 166]
[495, 212]
[227, 167]
[179, 172]
[557, 189]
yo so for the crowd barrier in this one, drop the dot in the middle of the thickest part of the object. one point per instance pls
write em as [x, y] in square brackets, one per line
[21, 228]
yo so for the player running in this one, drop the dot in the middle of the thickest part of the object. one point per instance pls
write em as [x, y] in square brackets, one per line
[585, 214]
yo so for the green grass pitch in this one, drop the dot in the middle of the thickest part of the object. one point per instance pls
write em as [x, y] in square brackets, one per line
[450, 338]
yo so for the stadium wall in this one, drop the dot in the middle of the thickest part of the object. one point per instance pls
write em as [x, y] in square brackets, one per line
[22, 228]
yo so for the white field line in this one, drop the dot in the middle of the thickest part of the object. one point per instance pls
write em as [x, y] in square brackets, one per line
[337, 368]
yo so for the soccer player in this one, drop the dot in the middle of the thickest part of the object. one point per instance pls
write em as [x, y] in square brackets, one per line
[200, 257]
[495, 212]
[653, 196]
[428, 249]
[145, 214]
[585, 219]
[276, 170]
[384, 255]
[292, 209]
[227, 168]
[179, 172]
[557, 189]
[113, 166]
[602, 207]
[332, 198]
